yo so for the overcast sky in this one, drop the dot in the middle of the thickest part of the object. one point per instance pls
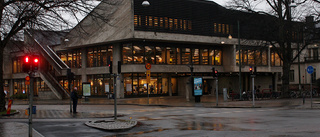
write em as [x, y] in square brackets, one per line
[220, 2]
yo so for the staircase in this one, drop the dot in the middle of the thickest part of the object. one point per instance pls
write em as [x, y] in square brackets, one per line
[53, 59]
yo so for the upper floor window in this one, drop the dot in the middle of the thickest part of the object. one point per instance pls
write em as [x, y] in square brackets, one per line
[71, 58]
[97, 56]
[157, 54]
[252, 57]
[17, 65]
[220, 28]
[162, 22]
[275, 59]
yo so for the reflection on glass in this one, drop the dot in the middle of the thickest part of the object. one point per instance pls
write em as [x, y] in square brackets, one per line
[127, 54]
[138, 54]
[160, 55]
[186, 55]
[149, 54]
[195, 56]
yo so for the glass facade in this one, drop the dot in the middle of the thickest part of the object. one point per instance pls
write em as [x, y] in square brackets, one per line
[160, 54]
[71, 58]
[19, 86]
[253, 57]
[77, 82]
[135, 84]
[16, 65]
[101, 84]
[97, 56]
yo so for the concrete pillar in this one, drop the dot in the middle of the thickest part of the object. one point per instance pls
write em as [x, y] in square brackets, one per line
[83, 65]
[119, 81]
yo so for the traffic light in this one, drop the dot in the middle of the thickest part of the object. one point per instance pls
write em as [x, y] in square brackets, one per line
[109, 65]
[255, 70]
[35, 63]
[30, 63]
[119, 67]
[215, 72]
[250, 69]
[26, 64]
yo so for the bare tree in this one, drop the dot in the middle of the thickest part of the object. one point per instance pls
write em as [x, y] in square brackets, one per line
[284, 41]
[17, 15]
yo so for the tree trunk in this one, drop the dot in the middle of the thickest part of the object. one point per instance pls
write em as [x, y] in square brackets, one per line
[285, 78]
[2, 95]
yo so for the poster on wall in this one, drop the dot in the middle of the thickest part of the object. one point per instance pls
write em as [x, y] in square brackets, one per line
[86, 89]
[198, 86]
[129, 87]
[106, 87]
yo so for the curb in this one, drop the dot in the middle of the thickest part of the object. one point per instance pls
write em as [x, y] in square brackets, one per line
[17, 111]
[112, 125]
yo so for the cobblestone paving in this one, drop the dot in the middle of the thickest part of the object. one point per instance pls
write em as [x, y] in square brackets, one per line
[58, 114]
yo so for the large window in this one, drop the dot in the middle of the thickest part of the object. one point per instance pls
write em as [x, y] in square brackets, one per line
[253, 57]
[171, 55]
[275, 59]
[291, 76]
[195, 56]
[101, 85]
[138, 54]
[158, 54]
[149, 54]
[71, 58]
[163, 22]
[97, 56]
[186, 55]
[135, 84]
[17, 65]
[204, 56]
[127, 54]
[215, 57]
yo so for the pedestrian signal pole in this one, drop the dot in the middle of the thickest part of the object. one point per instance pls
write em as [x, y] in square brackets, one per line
[30, 65]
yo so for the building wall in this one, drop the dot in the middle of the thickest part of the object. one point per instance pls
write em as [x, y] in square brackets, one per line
[119, 26]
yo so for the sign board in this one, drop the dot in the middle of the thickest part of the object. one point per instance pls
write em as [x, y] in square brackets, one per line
[27, 82]
[148, 66]
[148, 76]
[198, 85]
[86, 89]
[310, 69]
[106, 87]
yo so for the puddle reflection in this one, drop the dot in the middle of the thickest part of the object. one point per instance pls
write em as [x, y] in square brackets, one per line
[205, 124]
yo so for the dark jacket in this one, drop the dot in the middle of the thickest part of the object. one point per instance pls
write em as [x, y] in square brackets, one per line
[74, 95]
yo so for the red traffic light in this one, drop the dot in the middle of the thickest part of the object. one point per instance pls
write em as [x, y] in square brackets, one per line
[35, 63]
[26, 59]
[36, 60]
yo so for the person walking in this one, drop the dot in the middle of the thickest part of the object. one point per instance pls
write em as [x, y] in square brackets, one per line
[74, 97]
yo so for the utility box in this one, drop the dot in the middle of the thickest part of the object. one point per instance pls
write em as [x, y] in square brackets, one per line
[225, 94]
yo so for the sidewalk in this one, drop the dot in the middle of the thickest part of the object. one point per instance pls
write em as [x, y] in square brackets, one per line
[21, 129]
[178, 101]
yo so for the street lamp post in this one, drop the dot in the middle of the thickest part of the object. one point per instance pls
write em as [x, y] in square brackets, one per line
[240, 59]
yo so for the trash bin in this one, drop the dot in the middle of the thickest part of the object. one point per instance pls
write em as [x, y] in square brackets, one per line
[225, 94]
[34, 109]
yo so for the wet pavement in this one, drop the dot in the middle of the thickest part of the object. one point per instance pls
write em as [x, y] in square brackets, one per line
[177, 101]
[185, 116]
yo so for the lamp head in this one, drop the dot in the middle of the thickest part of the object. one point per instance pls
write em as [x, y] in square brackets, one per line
[145, 3]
